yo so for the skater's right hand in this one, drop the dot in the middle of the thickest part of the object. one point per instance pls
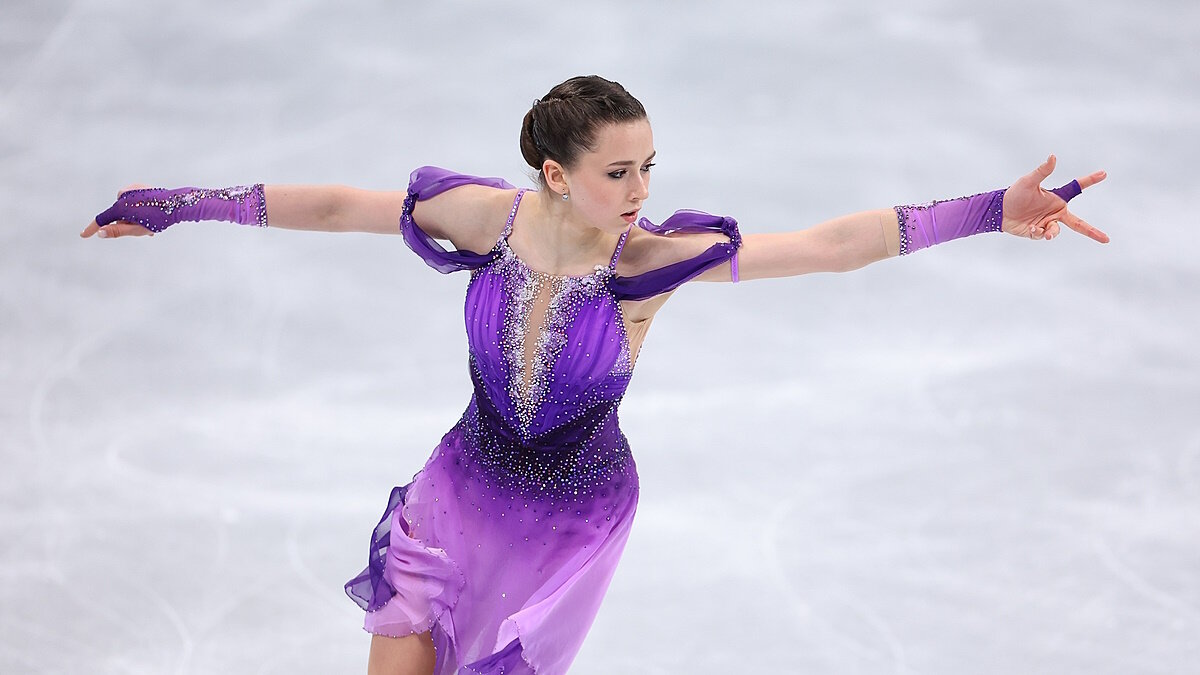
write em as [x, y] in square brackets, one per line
[1033, 212]
[120, 228]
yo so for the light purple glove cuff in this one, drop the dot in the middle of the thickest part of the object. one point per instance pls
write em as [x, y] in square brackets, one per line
[923, 225]
[937, 222]
[156, 209]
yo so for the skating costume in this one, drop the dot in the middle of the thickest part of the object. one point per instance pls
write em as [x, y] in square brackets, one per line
[504, 544]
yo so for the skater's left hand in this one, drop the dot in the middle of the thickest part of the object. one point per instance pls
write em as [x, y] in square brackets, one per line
[1034, 212]
[119, 228]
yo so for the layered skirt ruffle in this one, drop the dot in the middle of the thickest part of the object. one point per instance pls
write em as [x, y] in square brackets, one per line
[505, 584]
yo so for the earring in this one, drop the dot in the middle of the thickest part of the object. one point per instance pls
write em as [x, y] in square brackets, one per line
[565, 197]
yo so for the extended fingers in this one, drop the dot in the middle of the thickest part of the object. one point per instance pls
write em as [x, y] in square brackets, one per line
[1091, 179]
[1034, 178]
[115, 229]
[124, 229]
[1046, 168]
[1079, 225]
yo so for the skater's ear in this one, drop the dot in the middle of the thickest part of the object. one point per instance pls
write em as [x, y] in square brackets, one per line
[556, 176]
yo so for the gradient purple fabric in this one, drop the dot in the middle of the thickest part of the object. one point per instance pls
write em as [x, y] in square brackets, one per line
[156, 209]
[504, 544]
[923, 225]
[649, 284]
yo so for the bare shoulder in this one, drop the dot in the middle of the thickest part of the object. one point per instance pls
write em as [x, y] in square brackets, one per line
[645, 251]
[469, 216]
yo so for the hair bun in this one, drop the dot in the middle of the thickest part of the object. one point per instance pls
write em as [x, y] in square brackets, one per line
[563, 124]
[533, 155]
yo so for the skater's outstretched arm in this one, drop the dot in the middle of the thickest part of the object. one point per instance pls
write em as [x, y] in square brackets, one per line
[465, 216]
[849, 242]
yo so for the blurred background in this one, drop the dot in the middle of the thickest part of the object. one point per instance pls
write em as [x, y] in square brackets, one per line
[981, 458]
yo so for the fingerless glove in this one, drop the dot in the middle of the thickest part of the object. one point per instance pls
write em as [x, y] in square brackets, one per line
[156, 209]
[923, 225]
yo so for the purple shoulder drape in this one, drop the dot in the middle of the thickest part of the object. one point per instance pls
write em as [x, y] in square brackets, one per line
[429, 181]
[664, 279]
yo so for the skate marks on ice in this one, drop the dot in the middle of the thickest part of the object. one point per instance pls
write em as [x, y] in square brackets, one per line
[211, 531]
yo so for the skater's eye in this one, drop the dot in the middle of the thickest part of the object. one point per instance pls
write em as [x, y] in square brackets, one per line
[620, 173]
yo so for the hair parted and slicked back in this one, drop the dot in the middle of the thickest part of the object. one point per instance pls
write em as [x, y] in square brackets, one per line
[563, 124]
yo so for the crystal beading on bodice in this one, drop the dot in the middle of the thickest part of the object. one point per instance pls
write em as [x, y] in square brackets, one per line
[563, 297]
[550, 362]
[549, 355]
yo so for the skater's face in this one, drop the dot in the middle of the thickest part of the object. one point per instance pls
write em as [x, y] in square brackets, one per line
[608, 185]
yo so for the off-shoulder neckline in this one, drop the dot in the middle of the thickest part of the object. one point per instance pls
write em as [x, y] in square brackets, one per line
[503, 246]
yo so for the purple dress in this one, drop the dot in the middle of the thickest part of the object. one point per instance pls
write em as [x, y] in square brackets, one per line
[503, 545]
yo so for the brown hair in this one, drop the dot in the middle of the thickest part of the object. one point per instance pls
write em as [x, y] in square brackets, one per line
[562, 124]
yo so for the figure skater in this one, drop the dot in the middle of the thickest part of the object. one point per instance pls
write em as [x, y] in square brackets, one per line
[495, 557]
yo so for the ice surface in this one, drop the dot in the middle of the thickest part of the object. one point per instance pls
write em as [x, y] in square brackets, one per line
[984, 458]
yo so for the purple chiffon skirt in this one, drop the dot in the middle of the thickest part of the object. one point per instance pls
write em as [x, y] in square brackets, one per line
[505, 583]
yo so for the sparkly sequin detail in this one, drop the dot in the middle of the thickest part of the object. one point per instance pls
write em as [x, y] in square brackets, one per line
[410, 202]
[244, 195]
[567, 295]
[571, 474]
[544, 391]
[993, 219]
[902, 216]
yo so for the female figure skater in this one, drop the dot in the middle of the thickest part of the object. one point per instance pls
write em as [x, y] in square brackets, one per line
[495, 558]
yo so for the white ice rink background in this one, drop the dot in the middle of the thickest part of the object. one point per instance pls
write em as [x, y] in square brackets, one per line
[984, 458]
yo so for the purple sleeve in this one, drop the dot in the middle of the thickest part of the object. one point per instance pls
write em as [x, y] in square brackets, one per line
[156, 209]
[937, 222]
[664, 279]
[429, 181]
